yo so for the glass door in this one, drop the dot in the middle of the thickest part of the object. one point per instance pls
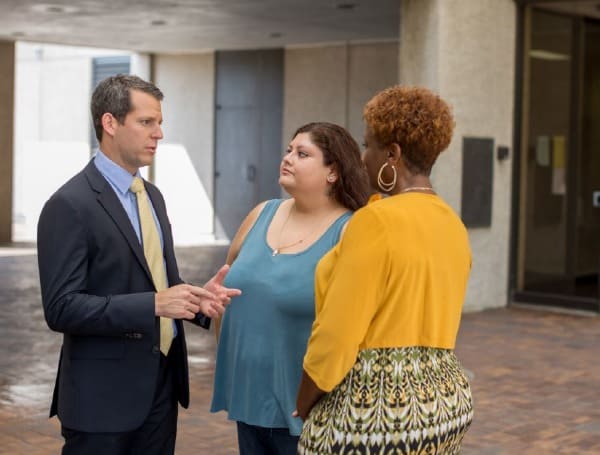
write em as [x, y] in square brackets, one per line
[587, 220]
[547, 154]
[559, 230]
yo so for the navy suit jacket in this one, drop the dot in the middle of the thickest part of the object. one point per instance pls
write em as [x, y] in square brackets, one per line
[98, 291]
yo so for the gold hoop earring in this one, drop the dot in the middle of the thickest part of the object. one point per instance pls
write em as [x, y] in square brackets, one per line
[386, 187]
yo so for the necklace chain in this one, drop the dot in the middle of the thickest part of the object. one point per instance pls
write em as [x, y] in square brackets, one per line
[278, 249]
[416, 188]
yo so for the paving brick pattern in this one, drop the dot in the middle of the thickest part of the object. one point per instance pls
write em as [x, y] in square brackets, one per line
[536, 374]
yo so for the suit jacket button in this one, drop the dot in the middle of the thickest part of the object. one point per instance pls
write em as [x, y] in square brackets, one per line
[155, 349]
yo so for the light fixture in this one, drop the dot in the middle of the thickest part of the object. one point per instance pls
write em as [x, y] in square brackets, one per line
[542, 54]
[53, 8]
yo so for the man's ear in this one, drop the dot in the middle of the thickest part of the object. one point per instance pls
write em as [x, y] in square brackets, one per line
[109, 123]
[394, 153]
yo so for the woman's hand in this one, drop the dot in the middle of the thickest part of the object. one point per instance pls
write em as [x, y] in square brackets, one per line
[308, 395]
[215, 286]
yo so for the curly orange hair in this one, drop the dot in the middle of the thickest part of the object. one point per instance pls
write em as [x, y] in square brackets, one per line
[416, 119]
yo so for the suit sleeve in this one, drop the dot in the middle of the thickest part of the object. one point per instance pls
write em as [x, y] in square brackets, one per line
[350, 302]
[63, 267]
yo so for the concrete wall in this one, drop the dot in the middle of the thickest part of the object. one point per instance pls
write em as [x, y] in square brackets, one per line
[333, 82]
[418, 63]
[321, 83]
[329, 83]
[52, 125]
[7, 94]
[465, 50]
[372, 67]
[185, 160]
[52, 132]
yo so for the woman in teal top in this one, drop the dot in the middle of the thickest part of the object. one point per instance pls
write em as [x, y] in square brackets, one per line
[264, 332]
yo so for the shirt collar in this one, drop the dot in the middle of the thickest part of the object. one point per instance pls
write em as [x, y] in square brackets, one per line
[118, 177]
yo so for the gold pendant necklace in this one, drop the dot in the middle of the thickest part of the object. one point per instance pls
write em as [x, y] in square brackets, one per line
[277, 250]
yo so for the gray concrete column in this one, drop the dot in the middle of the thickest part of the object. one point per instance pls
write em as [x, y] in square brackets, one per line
[7, 94]
[465, 50]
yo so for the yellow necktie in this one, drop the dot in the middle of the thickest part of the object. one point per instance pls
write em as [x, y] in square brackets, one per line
[154, 256]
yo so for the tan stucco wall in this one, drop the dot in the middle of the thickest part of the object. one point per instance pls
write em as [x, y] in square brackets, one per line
[188, 83]
[332, 83]
[185, 160]
[372, 67]
[465, 50]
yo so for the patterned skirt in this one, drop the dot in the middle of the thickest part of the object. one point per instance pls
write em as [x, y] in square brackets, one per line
[411, 400]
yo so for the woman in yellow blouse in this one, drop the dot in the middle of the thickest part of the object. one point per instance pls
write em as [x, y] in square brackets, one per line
[380, 375]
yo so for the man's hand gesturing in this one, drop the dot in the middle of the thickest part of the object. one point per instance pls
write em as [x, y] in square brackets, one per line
[184, 301]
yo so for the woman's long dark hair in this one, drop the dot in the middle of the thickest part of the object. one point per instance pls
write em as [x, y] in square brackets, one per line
[340, 150]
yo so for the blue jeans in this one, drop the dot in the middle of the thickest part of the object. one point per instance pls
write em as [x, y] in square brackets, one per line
[253, 440]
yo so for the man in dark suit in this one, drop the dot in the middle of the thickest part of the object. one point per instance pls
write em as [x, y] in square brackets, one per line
[117, 388]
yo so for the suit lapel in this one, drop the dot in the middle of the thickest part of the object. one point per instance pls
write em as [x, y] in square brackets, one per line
[111, 204]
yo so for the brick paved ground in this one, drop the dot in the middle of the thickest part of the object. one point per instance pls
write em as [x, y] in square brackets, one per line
[536, 374]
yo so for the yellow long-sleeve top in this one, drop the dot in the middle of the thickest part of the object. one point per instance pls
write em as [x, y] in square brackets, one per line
[397, 278]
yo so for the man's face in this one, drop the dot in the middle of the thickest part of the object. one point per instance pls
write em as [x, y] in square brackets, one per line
[137, 138]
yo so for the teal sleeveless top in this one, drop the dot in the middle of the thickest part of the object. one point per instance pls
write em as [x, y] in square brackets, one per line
[264, 331]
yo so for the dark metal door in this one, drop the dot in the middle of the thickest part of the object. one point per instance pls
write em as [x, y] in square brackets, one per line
[248, 122]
